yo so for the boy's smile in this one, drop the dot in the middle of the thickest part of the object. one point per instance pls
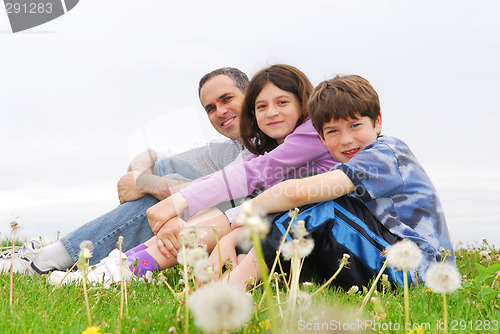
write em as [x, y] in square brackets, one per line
[344, 138]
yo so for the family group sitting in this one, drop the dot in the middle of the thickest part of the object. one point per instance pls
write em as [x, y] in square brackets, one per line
[289, 145]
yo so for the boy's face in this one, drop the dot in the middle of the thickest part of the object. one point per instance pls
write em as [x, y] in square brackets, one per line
[344, 138]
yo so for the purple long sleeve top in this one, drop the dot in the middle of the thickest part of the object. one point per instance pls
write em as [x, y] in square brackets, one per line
[302, 153]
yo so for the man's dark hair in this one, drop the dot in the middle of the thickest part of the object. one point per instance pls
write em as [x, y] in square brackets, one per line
[239, 78]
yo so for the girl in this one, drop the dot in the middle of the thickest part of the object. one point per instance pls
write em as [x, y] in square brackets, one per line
[276, 128]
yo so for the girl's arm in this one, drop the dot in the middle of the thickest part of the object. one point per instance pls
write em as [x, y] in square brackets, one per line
[301, 153]
[290, 194]
[227, 246]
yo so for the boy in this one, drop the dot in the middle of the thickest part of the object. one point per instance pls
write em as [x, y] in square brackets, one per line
[378, 195]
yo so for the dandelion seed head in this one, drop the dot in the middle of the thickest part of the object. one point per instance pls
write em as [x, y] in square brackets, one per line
[297, 248]
[300, 230]
[345, 259]
[220, 307]
[404, 255]
[485, 254]
[86, 248]
[443, 277]
[203, 271]
[192, 236]
[253, 224]
[14, 225]
[193, 255]
[293, 213]
[353, 290]
[252, 219]
[303, 301]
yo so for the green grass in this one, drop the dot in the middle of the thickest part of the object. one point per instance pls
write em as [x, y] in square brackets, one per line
[152, 308]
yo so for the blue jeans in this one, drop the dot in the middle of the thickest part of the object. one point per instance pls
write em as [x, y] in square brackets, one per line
[128, 219]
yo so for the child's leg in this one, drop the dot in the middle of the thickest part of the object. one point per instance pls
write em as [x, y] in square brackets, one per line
[246, 268]
[204, 222]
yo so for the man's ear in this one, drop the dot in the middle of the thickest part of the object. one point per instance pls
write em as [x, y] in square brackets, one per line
[378, 124]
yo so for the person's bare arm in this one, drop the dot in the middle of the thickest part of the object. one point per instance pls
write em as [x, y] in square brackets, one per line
[290, 194]
[140, 180]
[133, 186]
[143, 161]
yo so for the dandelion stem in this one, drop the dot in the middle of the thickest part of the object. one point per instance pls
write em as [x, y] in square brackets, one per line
[186, 289]
[278, 252]
[11, 294]
[87, 305]
[445, 314]
[294, 287]
[69, 270]
[374, 285]
[406, 299]
[170, 288]
[122, 280]
[342, 264]
[278, 294]
[267, 287]
[218, 250]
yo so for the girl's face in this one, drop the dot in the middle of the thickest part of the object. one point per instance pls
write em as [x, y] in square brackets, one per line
[277, 112]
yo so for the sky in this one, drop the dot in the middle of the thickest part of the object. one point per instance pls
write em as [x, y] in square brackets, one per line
[80, 95]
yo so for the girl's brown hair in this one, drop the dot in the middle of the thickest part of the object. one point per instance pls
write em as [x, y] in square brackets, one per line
[285, 77]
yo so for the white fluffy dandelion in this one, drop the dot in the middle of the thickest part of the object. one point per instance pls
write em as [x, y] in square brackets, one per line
[220, 307]
[253, 222]
[303, 301]
[86, 248]
[300, 230]
[443, 277]
[353, 290]
[192, 236]
[203, 271]
[193, 256]
[404, 255]
[297, 247]
[300, 246]
[485, 254]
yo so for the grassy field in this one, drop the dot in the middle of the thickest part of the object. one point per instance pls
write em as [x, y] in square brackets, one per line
[153, 308]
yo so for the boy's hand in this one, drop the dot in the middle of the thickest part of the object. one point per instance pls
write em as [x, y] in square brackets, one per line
[227, 252]
[163, 211]
[168, 237]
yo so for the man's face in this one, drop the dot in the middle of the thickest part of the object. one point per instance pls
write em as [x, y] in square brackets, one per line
[222, 101]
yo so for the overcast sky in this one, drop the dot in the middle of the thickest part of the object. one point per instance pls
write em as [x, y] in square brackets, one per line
[75, 92]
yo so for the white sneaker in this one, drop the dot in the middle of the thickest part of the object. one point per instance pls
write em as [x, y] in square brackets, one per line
[22, 259]
[105, 272]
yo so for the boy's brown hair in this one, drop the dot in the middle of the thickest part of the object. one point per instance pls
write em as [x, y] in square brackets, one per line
[343, 97]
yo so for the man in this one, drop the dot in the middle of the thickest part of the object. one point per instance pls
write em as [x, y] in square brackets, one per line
[148, 181]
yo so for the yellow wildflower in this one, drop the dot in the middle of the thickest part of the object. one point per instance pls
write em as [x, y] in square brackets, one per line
[92, 330]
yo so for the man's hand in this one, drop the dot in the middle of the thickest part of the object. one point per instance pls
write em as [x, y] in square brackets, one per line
[127, 188]
[227, 252]
[168, 237]
[165, 210]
